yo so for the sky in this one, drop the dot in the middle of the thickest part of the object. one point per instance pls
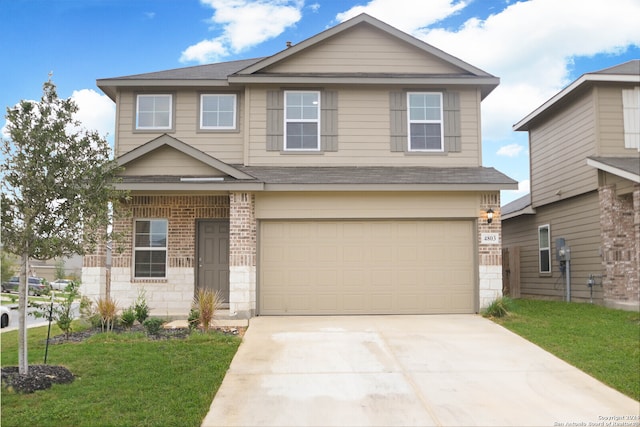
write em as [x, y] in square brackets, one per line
[535, 47]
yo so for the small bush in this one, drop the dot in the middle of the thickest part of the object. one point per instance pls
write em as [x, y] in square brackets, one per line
[207, 303]
[128, 317]
[107, 309]
[153, 325]
[140, 307]
[500, 307]
[194, 319]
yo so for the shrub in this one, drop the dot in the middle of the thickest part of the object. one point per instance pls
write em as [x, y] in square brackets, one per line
[500, 307]
[107, 309]
[194, 319]
[128, 317]
[140, 307]
[153, 325]
[207, 303]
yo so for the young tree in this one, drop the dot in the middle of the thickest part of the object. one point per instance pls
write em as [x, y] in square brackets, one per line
[57, 185]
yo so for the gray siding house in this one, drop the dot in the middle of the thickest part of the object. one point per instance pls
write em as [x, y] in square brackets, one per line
[585, 193]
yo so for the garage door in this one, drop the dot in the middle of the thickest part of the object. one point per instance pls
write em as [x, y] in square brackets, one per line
[366, 267]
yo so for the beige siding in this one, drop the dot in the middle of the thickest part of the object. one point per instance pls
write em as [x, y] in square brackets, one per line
[558, 153]
[577, 221]
[611, 123]
[364, 133]
[363, 50]
[225, 146]
[168, 161]
[293, 205]
[623, 186]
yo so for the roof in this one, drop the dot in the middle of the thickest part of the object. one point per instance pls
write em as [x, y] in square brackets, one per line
[379, 175]
[253, 70]
[625, 167]
[628, 72]
[521, 206]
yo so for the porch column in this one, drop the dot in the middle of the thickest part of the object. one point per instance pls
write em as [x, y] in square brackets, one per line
[94, 281]
[242, 255]
[489, 250]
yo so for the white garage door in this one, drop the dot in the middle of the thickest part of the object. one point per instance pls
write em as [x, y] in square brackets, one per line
[366, 267]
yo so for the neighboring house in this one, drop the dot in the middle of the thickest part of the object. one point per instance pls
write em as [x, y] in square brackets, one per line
[342, 175]
[585, 174]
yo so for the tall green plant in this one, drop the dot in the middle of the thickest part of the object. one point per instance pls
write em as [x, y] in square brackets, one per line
[57, 183]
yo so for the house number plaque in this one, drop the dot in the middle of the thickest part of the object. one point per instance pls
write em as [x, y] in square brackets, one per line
[490, 238]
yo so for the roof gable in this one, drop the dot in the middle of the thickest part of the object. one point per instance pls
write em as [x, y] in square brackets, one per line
[442, 59]
[182, 156]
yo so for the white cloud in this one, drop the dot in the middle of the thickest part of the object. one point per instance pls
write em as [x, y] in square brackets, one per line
[530, 45]
[511, 150]
[95, 111]
[244, 23]
[394, 12]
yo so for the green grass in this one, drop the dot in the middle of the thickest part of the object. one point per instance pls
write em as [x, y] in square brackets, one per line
[121, 380]
[602, 342]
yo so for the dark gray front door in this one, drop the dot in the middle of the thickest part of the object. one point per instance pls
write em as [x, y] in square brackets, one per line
[213, 256]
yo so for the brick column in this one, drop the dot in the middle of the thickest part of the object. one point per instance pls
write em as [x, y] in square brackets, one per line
[620, 228]
[489, 254]
[242, 255]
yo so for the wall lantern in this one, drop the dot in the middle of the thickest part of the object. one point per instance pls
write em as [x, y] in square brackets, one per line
[489, 216]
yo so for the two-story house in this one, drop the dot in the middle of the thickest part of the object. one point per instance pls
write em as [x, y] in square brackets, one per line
[585, 193]
[342, 175]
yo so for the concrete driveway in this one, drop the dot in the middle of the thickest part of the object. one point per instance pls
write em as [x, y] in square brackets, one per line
[454, 370]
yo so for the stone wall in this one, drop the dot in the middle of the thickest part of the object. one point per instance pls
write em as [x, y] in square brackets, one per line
[620, 228]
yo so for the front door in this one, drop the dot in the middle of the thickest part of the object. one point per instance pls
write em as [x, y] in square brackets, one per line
[213, 256]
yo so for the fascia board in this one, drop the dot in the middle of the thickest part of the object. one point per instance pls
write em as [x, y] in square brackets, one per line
[390, 187]
[522, 125]
[614, 171]
[189, 186]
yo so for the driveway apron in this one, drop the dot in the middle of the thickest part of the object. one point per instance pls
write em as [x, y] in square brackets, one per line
[444, 370]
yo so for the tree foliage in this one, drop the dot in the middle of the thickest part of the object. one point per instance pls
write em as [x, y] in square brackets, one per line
[57, 186]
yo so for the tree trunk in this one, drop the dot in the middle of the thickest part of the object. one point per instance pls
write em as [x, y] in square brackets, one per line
[23, 292]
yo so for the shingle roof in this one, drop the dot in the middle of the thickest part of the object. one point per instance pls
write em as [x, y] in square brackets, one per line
[631, 67]
[516, 205]
[377, 175]
[626, 167]
[217, 71]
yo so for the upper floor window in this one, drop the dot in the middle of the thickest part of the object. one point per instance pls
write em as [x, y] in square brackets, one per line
[302, 120]
[544, 248]
[425, 121]
[150, 248]
[154, 111]
[218, 111]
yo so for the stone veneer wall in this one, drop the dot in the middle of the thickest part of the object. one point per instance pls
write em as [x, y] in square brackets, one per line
[620, 228]
[242, 255]
[171, 295]
[489, 255]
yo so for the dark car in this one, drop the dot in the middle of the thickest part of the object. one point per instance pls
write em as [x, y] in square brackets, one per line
[37, 286]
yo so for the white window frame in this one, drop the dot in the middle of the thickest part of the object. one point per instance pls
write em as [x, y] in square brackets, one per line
[221, 95]
[631, 117]
[288, 120]
[427, 121]
[151, 95]
[152, 248]
[544, 248]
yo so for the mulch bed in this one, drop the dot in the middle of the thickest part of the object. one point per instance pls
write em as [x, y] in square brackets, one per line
[42, 377]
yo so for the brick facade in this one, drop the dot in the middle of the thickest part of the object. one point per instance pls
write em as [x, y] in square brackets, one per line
[489, 255]
[620, 228]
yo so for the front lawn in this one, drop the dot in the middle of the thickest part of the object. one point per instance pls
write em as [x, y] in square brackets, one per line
[121, 380]
[602, 342]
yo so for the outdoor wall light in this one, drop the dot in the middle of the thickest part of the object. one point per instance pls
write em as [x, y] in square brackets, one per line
[489, 216]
